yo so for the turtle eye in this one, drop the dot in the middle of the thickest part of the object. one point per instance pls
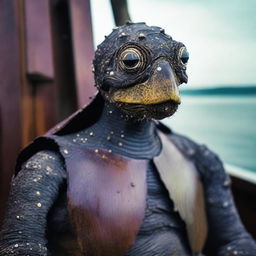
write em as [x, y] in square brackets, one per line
[183, 55]
[131, 59]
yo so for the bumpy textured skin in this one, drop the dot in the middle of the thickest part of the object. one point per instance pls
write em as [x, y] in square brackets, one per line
[155, 44]
[33, 193]
[156, 48]
[162, 231]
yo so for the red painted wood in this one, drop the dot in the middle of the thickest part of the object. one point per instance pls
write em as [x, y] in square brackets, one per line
[83, 52]
[38, 40]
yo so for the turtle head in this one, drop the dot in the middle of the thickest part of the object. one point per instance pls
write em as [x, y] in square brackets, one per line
[139, 69]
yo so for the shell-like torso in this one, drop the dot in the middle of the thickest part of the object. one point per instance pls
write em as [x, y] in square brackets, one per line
[162, 231]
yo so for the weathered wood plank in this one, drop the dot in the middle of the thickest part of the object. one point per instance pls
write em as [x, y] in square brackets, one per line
[83, 52]
[39, 90]
[10, 95]
[120, 11]
[63, 58]
[38, 40]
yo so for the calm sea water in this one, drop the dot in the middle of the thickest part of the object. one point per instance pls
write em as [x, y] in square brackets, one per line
[226, 124]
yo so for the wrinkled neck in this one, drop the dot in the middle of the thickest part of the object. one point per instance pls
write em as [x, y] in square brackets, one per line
[131, 138]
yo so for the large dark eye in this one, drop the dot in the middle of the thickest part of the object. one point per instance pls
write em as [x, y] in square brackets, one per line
[183, 55]
[131, 59]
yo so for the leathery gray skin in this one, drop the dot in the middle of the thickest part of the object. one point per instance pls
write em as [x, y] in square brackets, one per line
[37, 222]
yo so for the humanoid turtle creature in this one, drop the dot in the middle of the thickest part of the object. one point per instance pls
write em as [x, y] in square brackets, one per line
[111, 180]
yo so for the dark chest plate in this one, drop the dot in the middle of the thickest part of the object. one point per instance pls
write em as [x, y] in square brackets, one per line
[106, 200]
[161, 232]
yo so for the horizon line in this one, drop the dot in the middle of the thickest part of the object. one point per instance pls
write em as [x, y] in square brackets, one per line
[235, 90]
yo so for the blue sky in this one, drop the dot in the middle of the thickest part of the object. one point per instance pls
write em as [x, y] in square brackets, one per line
[220, 35]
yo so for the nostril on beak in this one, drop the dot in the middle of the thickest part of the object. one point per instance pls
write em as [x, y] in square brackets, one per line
[163, 70]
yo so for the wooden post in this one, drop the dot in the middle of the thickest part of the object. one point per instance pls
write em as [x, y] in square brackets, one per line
[10, 95]
[83, 53]
[120, 11]
[63, 58]
[40, 87]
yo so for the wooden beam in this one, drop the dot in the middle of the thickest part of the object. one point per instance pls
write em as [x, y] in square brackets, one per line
[10, 96]
[120, 11]
[63, 58]
[244, 195]
[83, 51]
[38, 41]
[40, 99]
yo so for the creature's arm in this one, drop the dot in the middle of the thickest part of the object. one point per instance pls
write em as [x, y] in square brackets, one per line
[33, 192]
[227, 235]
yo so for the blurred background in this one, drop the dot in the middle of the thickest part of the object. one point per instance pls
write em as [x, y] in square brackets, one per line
[45, 74]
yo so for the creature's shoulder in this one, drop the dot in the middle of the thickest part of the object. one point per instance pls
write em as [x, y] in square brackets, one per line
[42, 150]
[206, 161]
[58, 137]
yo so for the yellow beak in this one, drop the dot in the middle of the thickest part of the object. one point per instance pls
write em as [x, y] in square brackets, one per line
[160, 87]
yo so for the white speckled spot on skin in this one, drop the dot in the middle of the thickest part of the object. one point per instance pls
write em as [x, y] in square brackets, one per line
[141, 36]
[48, 168]
[226, 183]
[225, 204]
